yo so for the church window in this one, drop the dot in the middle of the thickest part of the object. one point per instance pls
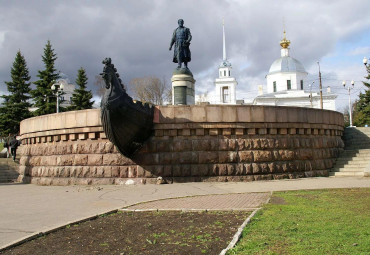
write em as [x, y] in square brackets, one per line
[220, 73]
[224, 72]
[274, 84]
[225, 94]
[229, 73]
[301, 84]
[289, 85]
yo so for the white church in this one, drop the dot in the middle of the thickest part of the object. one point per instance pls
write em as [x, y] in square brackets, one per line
[286, 80]
[285, 84]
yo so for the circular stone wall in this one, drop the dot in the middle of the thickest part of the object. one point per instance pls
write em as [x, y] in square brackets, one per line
[189, 143]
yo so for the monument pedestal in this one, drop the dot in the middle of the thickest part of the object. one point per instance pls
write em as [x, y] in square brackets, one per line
[183, 92]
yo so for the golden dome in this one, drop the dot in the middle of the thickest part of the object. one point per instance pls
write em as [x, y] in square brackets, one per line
[284, 43]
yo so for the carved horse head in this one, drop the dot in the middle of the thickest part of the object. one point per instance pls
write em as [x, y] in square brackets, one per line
[111, 77]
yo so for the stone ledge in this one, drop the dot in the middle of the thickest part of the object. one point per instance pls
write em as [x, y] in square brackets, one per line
[61, 132]
[246, 113]
[38, 138]
[150, 180]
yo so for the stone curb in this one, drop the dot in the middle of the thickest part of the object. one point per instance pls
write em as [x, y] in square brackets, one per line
[187, 210]
[238, 234]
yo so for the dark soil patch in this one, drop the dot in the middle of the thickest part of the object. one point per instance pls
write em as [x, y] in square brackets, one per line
[277, 201]
[141, 233]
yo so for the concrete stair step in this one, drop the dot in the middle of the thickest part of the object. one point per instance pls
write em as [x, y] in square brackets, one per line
[358, 132]
[356, 139]
[357, 166]
[9, 177]
[354, 134]
[346, 174]
[357, 157]
[10, 173]
[358, 160]
[12, 164]
[10, 169]
[348, 169]
[7, 180]
[361, 129]
[356, 152]
[356, 144]
[351, 147]
[364, 138]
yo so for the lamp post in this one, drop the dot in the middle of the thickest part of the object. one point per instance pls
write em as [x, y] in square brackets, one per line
[349, 100]
[57, 90]
[321, 102]
[365, 61]
[311, 92]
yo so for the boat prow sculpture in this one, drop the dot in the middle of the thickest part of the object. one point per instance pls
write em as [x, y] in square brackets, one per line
[126, 123]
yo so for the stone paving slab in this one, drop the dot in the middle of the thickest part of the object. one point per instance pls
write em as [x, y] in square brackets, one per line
[244, 201]
[28, 209]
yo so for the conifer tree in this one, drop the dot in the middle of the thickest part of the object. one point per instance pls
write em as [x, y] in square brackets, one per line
[81, 98]
[15, 105]
[362, 109]
[43, 96]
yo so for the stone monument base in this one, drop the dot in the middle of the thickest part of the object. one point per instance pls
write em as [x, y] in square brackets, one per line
[183, 92]
[190, 143]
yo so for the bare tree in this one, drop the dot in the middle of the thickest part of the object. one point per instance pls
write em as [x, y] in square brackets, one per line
[150, 89]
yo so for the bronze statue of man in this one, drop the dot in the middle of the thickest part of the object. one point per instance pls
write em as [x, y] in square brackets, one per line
[181, 38]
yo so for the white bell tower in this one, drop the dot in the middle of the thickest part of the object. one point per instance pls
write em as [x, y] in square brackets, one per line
[225, 83]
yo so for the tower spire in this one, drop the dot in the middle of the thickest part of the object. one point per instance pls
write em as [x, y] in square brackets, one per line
[224, 41]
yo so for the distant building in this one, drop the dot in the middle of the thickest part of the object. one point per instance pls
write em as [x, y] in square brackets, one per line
[225, 84]
[286, 81]
[66, 97]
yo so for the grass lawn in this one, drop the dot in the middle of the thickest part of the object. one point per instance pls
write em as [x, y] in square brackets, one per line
[335, 221]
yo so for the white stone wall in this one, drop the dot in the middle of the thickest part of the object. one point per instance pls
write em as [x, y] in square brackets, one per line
[281, 81]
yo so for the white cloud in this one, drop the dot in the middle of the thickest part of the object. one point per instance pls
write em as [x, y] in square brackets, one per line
[2, 37]
[136, 34]
[362, 51]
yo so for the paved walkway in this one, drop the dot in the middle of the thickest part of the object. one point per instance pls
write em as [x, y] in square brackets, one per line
[239, 201]
[27, 209]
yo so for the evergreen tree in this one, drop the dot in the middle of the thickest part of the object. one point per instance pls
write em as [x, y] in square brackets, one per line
[43, 96]
[362, 108]
[81, 98]
[15, 105]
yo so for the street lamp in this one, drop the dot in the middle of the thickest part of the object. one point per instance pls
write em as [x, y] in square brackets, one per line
[349, 99]
[311, 92]
[365, 61]
[57, 90]
[321, 102]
